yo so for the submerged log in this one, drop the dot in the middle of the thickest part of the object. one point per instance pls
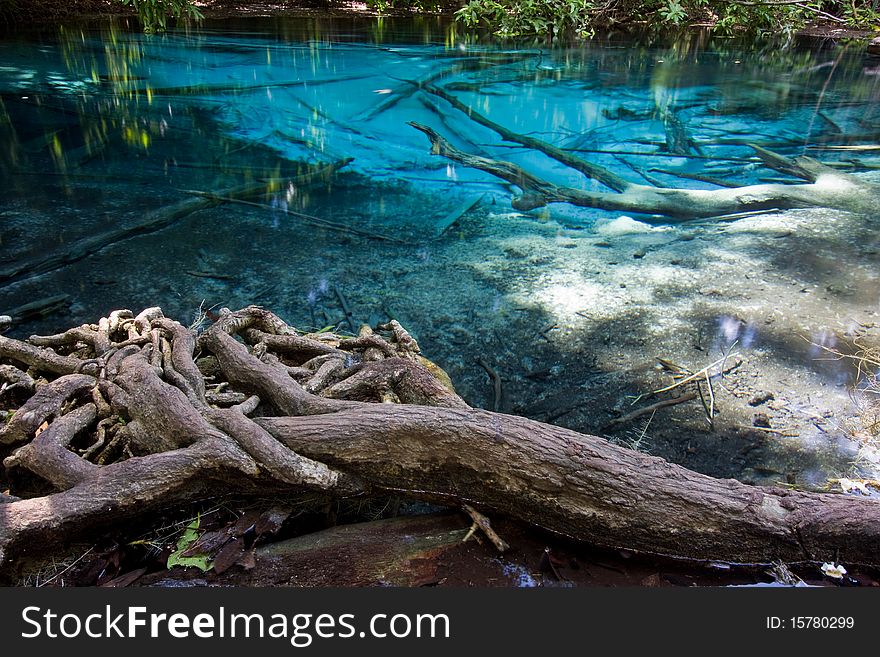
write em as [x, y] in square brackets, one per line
[328, 435]
[822, 186]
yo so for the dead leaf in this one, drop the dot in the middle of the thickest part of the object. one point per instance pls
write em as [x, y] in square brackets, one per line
[652, 581]
[42, 428]
[270, 521]
[229, 555]
[249, 560]
[244, 524]
[207, 543]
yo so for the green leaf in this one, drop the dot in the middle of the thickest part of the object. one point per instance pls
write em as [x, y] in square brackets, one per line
[190, 535]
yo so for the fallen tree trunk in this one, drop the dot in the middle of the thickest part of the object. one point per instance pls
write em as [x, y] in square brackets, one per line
[582, 486]
[324, 432]
[823, 185]
[404, 551]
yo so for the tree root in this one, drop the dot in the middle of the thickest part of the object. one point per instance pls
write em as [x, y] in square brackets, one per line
[139, 432]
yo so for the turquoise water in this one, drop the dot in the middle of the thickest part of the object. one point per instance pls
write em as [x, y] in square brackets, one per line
[103, 129]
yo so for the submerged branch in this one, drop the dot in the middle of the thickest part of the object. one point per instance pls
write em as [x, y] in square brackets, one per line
[154, 221]
[828, 188]
[590, 170]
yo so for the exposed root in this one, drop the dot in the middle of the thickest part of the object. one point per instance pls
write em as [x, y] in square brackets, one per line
[120, 422]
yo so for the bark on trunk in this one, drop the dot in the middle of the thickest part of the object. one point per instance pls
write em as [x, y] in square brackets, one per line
[582, 486]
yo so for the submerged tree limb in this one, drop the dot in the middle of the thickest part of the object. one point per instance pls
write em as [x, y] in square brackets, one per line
[825, 186]
[569, 159]
[829, 188]
[154, 221]
[325, 432]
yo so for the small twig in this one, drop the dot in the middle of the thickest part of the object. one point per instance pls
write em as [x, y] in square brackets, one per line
[703, 403]
[307, 218]
[457, 213]
[694, 176]
[650, 408]
[847, 147]
[346, 309]
[711, 398]
[724, 362]
[651, 180]
[863, 357]
[647, 424]
[692, 377]
[207, 274]
[788, 433]
[546, 329]
[496, 383]
[484, 524]
[57, 575]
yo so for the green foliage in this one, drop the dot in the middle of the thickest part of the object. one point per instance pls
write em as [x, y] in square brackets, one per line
[154, 13]
[673, 12]
[553, 17]
[187, 539]
[383, 6]
[862, 14]
[517, 17]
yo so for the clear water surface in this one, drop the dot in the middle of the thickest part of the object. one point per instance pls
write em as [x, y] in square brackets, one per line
[580, 311]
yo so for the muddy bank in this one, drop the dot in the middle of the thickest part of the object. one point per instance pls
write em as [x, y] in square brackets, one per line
[421, 550]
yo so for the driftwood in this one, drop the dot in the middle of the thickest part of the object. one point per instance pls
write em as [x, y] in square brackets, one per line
[135, 382]
[821, 186]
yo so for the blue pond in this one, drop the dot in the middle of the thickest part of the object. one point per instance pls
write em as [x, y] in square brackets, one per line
[123, 157]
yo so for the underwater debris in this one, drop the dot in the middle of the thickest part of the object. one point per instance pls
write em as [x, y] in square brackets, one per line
[834, 571]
